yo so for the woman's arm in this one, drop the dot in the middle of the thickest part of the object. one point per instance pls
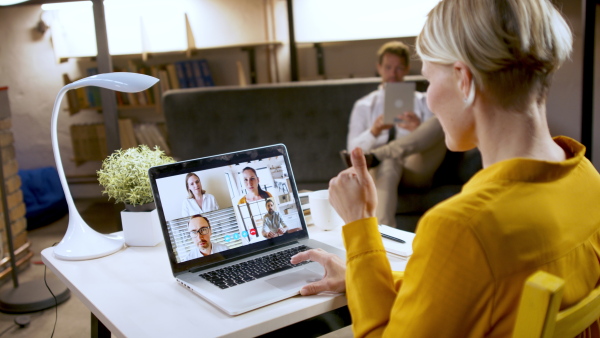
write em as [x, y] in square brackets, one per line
[447, 289]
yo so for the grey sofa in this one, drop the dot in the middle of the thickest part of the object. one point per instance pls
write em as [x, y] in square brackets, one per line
[310, 118]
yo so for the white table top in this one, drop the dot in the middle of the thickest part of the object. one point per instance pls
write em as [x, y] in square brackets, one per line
[134, 294]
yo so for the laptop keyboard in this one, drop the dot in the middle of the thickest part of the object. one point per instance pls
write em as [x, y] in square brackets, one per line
[253, 269]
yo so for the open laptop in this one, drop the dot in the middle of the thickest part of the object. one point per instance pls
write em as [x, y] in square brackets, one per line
[233, 276]
[399, 97]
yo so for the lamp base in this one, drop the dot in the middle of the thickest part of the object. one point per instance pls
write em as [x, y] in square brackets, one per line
[102, 245]
[82, 242]
[34, 296]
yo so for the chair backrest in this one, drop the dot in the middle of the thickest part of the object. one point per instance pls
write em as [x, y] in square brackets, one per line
[539, 315]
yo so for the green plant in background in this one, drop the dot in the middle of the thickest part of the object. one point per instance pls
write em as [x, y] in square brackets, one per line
[124, 174]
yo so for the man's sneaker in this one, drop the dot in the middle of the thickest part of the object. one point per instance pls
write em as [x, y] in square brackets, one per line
[372, 161]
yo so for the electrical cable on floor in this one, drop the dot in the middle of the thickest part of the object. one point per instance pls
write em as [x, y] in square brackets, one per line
[7, 329]
[55, 300]
[20, 321]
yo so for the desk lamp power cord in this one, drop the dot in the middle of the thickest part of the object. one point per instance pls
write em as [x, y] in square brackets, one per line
[23, 321]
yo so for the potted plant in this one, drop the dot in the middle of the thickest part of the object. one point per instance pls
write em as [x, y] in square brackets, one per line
[124, 176]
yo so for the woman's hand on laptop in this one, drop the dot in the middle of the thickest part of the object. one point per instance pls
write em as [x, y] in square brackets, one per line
[335, 271]
[352, 192]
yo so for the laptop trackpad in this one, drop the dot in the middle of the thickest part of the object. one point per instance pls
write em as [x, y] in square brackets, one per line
[294, 280]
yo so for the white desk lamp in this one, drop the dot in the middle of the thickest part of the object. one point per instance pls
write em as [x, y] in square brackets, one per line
[82, 242]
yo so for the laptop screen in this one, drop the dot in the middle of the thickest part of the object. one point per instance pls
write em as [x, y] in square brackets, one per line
[222, 207]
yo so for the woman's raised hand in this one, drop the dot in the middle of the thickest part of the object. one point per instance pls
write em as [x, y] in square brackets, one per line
[352, 192]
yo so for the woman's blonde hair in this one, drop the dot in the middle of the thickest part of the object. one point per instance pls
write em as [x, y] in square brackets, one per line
[512, 47]
[187, 187]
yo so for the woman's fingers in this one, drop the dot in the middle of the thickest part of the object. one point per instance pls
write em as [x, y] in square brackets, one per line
[359, 163]
[314, 288]
[335, 271]
[315, 255]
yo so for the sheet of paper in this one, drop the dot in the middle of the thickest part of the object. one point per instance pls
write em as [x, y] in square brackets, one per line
[395, 247]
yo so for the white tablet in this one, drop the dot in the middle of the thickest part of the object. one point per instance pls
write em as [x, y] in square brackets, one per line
[399, 97]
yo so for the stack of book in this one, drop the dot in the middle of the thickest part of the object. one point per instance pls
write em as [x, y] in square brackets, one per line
[144, 98]
[89, 140]
[181, 74]
[184, 74]
[82, 98]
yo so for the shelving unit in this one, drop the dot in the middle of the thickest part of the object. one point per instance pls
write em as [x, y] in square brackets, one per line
[113, 111]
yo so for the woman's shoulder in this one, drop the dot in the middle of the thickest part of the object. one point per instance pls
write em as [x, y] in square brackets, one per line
[461, 211]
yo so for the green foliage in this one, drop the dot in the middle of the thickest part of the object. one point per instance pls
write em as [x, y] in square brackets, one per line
[124, 174]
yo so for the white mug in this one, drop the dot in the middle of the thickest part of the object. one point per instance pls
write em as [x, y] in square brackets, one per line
[323, 214]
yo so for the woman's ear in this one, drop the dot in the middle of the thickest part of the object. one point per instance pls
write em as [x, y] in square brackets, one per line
[465, 82]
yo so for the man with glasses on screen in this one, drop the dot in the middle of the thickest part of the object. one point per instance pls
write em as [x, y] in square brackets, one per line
[200, 231]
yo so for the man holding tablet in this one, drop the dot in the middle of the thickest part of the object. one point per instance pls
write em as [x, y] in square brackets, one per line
[406, 153]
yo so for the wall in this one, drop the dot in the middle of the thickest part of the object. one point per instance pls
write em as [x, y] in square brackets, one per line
[564, 98]
[28, 68]
[348, 59]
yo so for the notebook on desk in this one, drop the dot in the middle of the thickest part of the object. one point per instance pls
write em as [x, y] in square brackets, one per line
[396, 241]
[234, 251]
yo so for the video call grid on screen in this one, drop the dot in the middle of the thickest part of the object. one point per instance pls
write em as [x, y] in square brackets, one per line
[234, 223]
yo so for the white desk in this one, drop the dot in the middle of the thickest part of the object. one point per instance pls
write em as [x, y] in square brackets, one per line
[134, 294]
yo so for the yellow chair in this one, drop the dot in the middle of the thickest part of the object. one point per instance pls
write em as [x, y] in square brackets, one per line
[539, 316]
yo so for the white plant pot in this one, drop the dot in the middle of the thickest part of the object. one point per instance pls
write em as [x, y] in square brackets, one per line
[141, 228]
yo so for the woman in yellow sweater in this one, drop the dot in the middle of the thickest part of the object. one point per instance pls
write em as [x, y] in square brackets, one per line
[534, 206]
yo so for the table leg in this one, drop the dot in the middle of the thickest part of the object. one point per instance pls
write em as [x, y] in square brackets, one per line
[98, 329]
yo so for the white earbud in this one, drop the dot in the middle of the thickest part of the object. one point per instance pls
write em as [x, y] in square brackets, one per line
[469, 99]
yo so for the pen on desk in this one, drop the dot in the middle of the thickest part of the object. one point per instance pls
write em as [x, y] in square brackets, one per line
[393, 238]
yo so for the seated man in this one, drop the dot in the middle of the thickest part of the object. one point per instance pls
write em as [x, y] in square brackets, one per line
[405, 154]
[200, 231]
[273, 224]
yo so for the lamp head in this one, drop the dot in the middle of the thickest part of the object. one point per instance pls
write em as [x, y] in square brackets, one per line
[119, 81]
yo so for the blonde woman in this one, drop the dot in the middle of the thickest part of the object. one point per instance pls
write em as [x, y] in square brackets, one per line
[534, 205]
[198, 200]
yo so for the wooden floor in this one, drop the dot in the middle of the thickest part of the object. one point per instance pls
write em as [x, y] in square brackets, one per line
[73, 317]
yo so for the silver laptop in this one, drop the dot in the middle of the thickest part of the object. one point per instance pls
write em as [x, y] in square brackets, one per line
[241, 262]
[399, 97]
